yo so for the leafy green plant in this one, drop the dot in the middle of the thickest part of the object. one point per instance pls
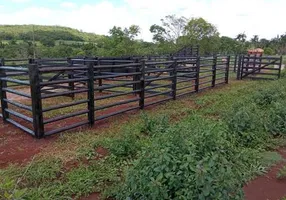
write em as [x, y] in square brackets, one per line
[281, 174]
[267, 96]
[276, 123]
[126, 146]
[153, 125]
[9, 190]
[193, 160]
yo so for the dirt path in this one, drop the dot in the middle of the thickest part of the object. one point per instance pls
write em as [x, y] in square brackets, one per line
[18, 147]
[267, 187]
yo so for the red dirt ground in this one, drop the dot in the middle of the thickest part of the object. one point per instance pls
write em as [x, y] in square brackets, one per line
[267, 187]
[93, 196]
[19, 147]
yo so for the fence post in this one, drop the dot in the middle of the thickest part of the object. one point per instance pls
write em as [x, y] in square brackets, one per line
[247, 64]
[3, 84]
[214, 70]
[2, 62]
[238, 77]
[71, 76]
[227, 69]
[38, 124]
[197, 82]
[90, 86]
[174, 79]
[136, 77]
[280, 66]
[235, 63]
[99, 74]
[142, 85]
[254, 63]
[260, 61]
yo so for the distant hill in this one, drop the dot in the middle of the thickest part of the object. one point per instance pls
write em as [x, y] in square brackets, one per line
[45, 33]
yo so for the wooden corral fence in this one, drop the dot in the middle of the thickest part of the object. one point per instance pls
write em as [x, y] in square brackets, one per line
[191, 51]
[48, 96]
[259, 67]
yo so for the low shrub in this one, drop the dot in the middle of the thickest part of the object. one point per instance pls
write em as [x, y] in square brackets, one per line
[267, 96]
[152, 125]
[125, 146]
[193, 160]
[245, 121]
[243, 117]
[276, 119]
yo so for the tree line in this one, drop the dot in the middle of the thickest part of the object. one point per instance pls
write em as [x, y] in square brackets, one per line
[172, 34]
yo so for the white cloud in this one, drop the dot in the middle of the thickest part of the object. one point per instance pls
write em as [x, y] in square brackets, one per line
[68, 5]
[254, 17]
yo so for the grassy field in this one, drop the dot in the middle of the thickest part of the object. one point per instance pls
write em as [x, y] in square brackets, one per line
[58, 42]
[204, 146]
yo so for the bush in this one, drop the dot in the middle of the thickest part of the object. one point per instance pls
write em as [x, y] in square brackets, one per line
[153, 125]
[194, 160]
[244, 117]
[265, 97]
[246, 122]
[276, 123]
[126, 146]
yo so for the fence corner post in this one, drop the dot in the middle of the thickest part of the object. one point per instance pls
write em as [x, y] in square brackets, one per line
[37, 111]
[90, 85]
[142, 85]
[197, 82]
[227, 69]
[174, 79]
[3, 94]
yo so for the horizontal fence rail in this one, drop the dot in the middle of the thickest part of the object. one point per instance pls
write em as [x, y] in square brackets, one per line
[48, 96]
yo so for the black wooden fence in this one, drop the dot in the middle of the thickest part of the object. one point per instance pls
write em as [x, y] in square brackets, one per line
[48, 96]
[259, 67]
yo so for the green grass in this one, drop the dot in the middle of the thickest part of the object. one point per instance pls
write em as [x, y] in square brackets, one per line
[213, 132]
[284, 60]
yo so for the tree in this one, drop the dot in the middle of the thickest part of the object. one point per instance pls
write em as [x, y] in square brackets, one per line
[199, 31]
[227, 45]
[159, 33]
[132, 32]
[172, 28]
[263, 43]
[198, 28]
[241, 45]
[46, 41]
[241, 37]
[255, 40]
[117, 33]
[269, 51]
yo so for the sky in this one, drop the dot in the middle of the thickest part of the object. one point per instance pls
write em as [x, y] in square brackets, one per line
[265, 18]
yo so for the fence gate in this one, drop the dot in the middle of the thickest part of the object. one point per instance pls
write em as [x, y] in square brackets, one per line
[259, 67]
